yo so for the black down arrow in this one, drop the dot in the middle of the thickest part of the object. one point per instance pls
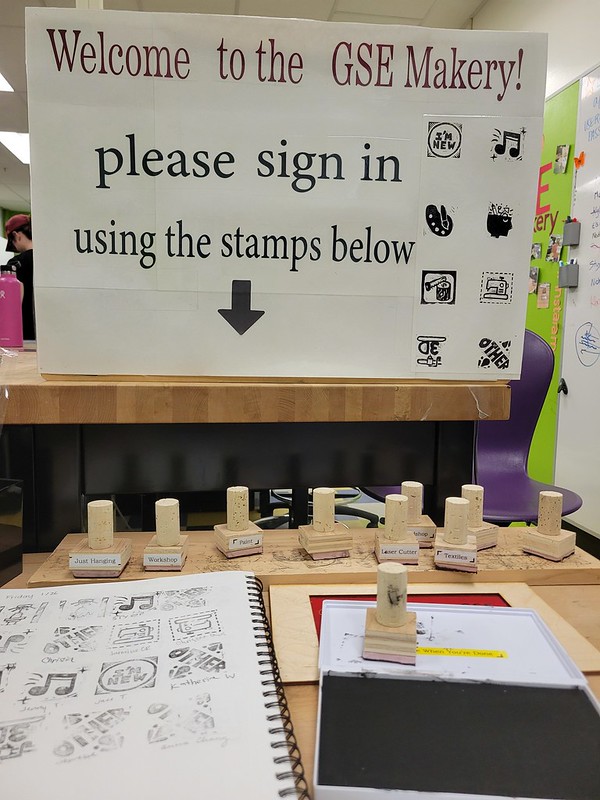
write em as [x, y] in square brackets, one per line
[240, 316]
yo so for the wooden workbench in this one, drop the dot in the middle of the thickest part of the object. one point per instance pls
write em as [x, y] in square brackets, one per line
[578, 605]
[37, 400]
[73, 437]
[284, 562]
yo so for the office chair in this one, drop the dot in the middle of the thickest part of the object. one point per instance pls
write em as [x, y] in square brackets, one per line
[282, 499]
[502, 446]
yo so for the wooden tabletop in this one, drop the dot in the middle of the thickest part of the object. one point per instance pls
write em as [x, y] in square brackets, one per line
[283, 561]
[577, 604]
[34, 399]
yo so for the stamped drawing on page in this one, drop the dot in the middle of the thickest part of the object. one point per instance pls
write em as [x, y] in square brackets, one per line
[176, 725]
[134, 604]
[13, 642]
[18, 737]
[23, 613]
[85, 607]
[53, 685]
[189, 662]
[91, 734]
[70, 639]
[194, 597]
[143, 632]
[199, 624]
[127, 675]
[5, 672]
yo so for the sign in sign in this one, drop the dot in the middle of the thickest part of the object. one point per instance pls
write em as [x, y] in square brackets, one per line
[241, 196]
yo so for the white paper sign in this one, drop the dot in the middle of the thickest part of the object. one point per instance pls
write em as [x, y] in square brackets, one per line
[219, 195]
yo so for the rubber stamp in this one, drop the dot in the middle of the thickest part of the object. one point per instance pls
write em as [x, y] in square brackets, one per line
[420, 524]
[547, 539]
[99, 554]
[167, 549]
[325, 538]
[454, 547]
[391, 630]
[485, 533]
[395, 542]
[238, 536]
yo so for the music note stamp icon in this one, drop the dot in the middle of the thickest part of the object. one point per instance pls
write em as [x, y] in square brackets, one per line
[508, 144]
[135, 603]
[12, 643]
[63, 683]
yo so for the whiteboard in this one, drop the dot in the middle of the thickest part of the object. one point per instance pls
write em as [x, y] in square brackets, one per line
[577, 458]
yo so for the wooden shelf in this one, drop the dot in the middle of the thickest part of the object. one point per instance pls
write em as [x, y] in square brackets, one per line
[34, 399]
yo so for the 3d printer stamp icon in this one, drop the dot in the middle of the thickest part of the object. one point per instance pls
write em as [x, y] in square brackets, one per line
[429, 348]
[496, 287]
[438, 287]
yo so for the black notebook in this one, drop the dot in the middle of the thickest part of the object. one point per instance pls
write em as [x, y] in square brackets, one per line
[143, 689]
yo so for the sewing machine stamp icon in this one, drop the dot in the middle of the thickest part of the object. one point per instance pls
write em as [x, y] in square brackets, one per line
[496, 287]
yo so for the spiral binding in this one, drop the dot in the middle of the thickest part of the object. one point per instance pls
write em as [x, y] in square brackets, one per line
[278, 713]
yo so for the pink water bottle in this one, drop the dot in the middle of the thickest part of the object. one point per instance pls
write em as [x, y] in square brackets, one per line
[11, 320]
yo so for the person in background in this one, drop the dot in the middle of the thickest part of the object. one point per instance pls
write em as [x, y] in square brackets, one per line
[18, 234]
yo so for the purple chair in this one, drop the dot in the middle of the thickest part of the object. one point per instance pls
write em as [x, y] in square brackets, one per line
[502, 447]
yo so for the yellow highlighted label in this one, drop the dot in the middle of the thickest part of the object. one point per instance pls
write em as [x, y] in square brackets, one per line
[458, 651]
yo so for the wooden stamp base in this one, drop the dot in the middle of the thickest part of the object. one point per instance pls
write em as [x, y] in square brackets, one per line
[553, 548]
[486, 535]
[319, 546]
[424, 529]
[157, 558]
[106, 563]
[404, 552]
[460, 557]
[234, 544]
[386, 643]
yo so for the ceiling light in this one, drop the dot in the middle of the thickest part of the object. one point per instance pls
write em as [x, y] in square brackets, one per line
[17, 143]
[5, 85]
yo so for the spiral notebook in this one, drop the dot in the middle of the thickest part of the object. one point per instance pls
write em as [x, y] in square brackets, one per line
[143, 689]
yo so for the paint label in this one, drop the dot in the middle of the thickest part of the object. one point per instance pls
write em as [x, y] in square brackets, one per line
[105, 560]
[241, 542]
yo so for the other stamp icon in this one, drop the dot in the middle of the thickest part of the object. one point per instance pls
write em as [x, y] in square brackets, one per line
[494, 353]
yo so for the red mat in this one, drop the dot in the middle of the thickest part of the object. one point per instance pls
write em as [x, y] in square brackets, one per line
[316, 601]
